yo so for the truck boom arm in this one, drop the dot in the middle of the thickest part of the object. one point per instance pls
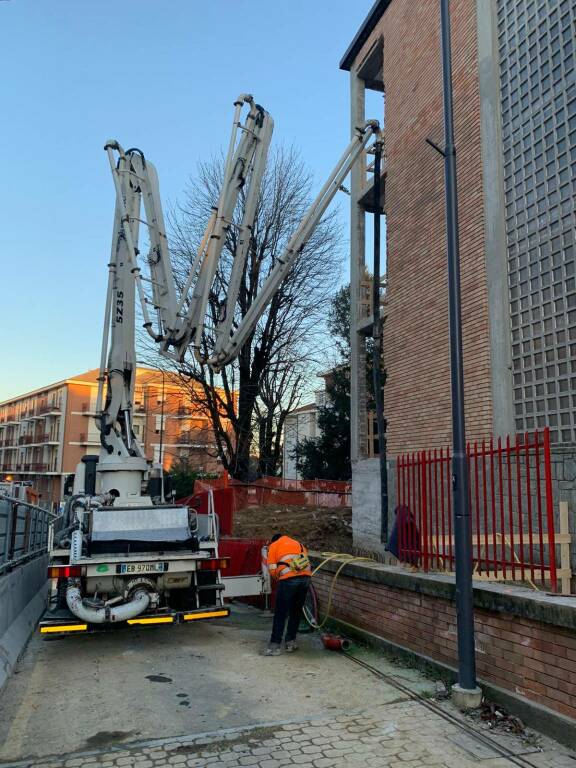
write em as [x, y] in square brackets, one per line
[179, 322]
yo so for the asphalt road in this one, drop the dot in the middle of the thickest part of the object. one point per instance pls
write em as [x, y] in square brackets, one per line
[79, 692]
[201, 695]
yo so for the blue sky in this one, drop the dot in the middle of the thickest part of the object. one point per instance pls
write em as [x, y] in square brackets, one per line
[157, 74]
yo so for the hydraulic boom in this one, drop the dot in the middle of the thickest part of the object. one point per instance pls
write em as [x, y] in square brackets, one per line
[177, 322]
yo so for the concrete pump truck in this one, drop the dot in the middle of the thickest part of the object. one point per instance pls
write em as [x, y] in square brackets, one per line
[119, 553]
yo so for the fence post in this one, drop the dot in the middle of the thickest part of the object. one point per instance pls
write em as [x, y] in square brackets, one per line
[424, 506]
[550, 510]
[8, 532]
[14, 526]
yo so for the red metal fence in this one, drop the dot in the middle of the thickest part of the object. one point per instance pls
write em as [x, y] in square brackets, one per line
[511, 509]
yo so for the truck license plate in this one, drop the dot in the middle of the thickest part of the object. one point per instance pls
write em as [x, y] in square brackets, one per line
[142, 567]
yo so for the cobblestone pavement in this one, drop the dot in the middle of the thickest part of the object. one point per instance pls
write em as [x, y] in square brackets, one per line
[402, 734]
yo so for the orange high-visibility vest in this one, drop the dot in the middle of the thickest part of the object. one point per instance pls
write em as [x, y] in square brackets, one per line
[280, 554]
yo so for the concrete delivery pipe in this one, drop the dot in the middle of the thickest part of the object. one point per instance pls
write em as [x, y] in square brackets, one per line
[138, 603]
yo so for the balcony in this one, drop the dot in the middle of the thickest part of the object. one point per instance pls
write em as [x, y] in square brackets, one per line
[38, 467]
[184, 410]
[200, 437]
[49, 408]
[86, 439]
[25, 439]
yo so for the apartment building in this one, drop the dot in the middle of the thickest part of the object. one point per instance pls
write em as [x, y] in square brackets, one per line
[300, 424]
[45, 433]
[514, 82]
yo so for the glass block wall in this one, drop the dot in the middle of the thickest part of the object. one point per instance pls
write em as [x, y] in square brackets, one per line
[538, 98]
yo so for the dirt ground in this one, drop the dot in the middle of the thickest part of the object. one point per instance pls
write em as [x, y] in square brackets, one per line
[320, 528]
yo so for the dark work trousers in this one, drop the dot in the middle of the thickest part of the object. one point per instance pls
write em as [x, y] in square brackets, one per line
[290, 598]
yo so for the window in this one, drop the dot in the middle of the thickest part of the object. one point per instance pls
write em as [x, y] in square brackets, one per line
[535, 44]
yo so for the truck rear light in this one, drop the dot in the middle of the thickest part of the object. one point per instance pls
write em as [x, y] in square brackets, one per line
[214, 564]
[64, 571]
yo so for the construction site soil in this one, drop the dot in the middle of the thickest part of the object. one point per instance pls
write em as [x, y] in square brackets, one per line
[320, 528]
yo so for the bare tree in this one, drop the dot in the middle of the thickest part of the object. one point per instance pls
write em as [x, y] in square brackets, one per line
[248, 401]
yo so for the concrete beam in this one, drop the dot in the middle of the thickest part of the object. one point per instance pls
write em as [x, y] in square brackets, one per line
[358, 425]
[494, 221]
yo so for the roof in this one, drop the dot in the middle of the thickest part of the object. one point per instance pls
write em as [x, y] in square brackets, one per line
[374, 16]
[303, 408]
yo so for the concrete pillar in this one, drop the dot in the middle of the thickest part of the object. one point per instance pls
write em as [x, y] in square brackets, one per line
[494, 223]
[358, 424]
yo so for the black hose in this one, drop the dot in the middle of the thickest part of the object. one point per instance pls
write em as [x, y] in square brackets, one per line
[447, 716]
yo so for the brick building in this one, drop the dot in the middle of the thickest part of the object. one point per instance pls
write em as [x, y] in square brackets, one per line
[515, 124]
[45, 433]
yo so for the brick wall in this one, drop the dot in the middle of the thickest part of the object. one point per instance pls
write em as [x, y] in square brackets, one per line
[416, 330]
[530, 658]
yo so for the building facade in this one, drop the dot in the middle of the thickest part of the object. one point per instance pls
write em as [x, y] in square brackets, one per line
[300, 424]
[515, 124]
[45, 433]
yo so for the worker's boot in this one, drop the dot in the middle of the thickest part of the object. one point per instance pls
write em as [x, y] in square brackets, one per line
[291, 646]
[274, 649]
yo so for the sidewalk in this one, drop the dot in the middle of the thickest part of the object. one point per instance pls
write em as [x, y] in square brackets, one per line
[401, 734]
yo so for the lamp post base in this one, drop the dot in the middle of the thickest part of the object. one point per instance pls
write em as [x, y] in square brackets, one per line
[466, 698]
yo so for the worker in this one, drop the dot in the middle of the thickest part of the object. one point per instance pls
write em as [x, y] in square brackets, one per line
[289, 566]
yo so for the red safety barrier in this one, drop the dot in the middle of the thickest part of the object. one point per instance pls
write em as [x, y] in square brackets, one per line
[511, 507]
[245, 555]
[223, 506]
[277, 490]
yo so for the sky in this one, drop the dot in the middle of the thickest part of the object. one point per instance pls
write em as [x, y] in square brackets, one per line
[161, 75]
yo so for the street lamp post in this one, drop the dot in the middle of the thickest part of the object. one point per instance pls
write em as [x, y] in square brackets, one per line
[466, 693]
[161, 447]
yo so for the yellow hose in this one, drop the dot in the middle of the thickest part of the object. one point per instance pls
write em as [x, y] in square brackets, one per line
[347, 559]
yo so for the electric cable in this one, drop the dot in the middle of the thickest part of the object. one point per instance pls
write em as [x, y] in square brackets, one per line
[315, 624]
[503, 751]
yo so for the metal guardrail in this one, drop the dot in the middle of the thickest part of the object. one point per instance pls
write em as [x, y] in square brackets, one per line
[25, 531]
